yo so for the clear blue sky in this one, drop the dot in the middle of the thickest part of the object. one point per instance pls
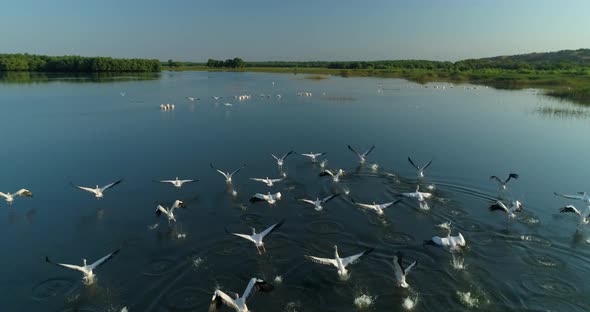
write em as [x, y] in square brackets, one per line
[258, 30]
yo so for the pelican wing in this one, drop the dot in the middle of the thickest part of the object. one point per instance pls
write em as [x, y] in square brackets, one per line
[256, 285]
[258, 180]
[69, 266]
[103, 260]
[188, 181]
[410, 267]
[326, 172]
[160, 210]
[87, 189]
[167, 181]
[277, 180]
[322, 260]
[220, 297]
[236, 171]
[4, 195]
[259, 197]
[177, 204]
[23, 192]
[365, 154]
[496, 179]
[108, 186]
[511, 176]
[311, 202]
[385, 205]
[287, 154]
[569, 196]
[248, 237]
[271, 228]
[329, 198]
[221, 172]
[354, 151]
[570, 208]
[426, 166]
[413, 164]
[352, 259]
[498, 205]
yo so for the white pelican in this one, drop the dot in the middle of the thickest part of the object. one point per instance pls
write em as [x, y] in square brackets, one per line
[228, 104]
[501, 183]
[239, 303]
[87, 269]
[176, 182]
[192, 99]
[228, 175]
[399, 270]
[281, 160]
[269, 198]
[313, 156]
[98, 191]
[420, 196]
[453, 243]
[267, 180]
[10, 197]
[122, 93]
[257, 238]
[319, 202]
[511, 211]
[378, 208]
[169, 212]
[362, 157]
[420, 169]
[216, 98]
[339, 263]
[584, 219]
[583, 196]
[335, 176]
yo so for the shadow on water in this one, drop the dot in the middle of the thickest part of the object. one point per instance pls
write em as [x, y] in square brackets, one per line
[40, 77]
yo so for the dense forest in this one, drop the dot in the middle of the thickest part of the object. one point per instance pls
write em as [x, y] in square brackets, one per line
[43, 63]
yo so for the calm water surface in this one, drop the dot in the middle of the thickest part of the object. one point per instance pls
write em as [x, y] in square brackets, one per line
[58, 132]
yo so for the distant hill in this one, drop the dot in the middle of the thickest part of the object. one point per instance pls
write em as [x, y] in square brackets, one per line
[578, 57]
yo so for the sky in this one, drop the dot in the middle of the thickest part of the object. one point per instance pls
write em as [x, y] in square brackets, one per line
[298, 30]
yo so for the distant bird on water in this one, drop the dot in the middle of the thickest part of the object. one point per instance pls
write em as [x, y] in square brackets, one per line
[239, 303]
[420, 196]
[169, 212]
[584, 218]
[313, 156]
[98, 191]
[399, 270]
[420, 169]
[85, 268]
[281, 160]
[378, 208]
[452, 243]
[511, 211]
[192, 99]
[362, 157]
[10, 197]
[335, 175]
[319, 202]
[501, 183]
[269, 198]
[177, 183]
[267, 180]
[340, 263]
[228, 175]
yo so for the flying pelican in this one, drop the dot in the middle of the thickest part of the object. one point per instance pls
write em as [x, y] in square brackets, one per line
[98, 191]
[239, 303]
[257, 238]
[399, 270]
[192, 98]
[335, 176]
[453, 243]
[281, 160]
[362, 157]
[269, 198]
[216, 98]
[511, 211]
[319, 202]
[501, 183]
[583, 196]
[228, 175]
[420, 169]
[178, 183]
[87, 269]
[10, 197]
[378, 208]
[313, 156]
[420, 196]
[169, 212]
[339, 263]
[584, 219]
[267, 180]
[122, 93]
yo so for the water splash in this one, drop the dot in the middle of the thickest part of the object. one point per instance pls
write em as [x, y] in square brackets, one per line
[374, 167]
[198, 261]
[444, 225]
[431, 187]
[466, 299]
[409, 303]
[458, 263]
[364, 301]
[154, 226]
[181, 236]
[278, 279]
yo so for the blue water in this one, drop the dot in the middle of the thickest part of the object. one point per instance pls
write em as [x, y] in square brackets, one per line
[58, 132]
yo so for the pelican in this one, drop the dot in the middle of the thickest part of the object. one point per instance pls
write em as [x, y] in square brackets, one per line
[319, 202]
[501, 183]
[228, 175]
[281, 160]
[584, 219]
[511, 211]
[169, 212]
[192, 99]
[267, 180]
[420, 169]
[399, 270]
[87, 269]
[339, 263]
[335, 176]
[98, 191]
[362, 157]
[176, 182]
[583, 196]
[228, 104]
[420, 196]
[122, 93]
[313, 156]
[10, 197]
[453, 243]
[324, 163]
[257, 238]
[239, 303]
[216, 98]
[378, 208]
[269, 198]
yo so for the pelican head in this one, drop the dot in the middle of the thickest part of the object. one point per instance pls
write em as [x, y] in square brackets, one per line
[84, 261]
[518, 205]
[181, 204]
[253, 230]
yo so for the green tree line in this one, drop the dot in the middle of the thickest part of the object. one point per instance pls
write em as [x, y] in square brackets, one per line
[44, 63]
[229, 63]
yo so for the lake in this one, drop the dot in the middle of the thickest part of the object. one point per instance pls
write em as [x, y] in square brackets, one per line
[57, 133]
